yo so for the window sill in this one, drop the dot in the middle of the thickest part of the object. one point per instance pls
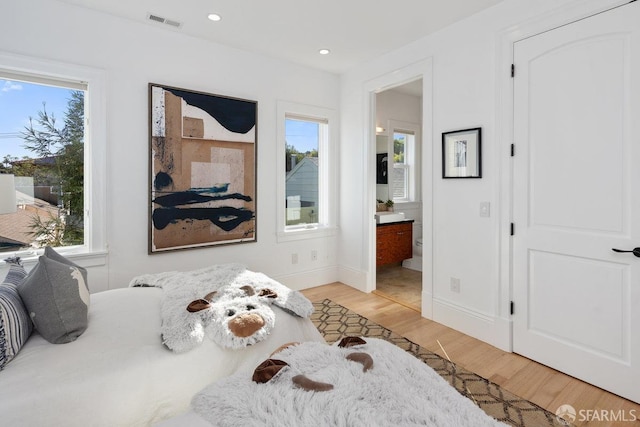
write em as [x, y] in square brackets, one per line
[80, 256]
[306, 233]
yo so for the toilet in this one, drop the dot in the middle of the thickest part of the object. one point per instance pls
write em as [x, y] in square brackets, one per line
[415, 262]
[417, 247]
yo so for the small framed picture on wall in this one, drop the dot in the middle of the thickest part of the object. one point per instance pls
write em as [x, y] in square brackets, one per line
[462, 154]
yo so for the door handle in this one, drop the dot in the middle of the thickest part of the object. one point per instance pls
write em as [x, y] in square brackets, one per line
[635, 251]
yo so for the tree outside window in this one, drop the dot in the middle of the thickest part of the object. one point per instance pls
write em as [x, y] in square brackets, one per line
[48, 163]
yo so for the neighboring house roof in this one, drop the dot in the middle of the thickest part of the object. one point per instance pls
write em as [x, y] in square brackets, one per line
[312, 161]
[15, 227]
[302, 183]
[41, 161]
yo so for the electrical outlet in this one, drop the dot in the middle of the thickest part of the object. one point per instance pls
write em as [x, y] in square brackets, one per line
[455, 285]
[294, 258]
[314, 255]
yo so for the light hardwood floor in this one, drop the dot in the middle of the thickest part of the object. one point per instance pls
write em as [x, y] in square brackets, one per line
[537, 383]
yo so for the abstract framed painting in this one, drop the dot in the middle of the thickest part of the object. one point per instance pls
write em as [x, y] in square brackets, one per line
[202, 169]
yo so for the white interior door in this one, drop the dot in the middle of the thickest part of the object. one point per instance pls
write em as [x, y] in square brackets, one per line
[577, 196]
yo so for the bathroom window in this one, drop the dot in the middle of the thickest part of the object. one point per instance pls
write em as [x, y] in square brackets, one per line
[403, 179]
[306, 200]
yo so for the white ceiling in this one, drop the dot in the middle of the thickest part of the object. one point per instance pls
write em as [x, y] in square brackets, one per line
[354, 30]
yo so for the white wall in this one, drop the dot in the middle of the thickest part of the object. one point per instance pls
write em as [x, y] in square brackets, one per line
[465, 95]
[393, 105]
[132, 55]
[465, 91]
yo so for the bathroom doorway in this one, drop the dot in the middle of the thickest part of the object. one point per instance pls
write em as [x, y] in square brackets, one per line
[399, 207]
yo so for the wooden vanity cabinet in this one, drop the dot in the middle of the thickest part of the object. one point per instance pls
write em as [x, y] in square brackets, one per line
[394, 242]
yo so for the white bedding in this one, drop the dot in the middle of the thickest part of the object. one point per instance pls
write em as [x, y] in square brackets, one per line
[118, 373]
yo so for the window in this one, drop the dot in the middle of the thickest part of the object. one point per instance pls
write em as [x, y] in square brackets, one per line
[52, 158]
[404, 182]
[43, 151]
[305, 193]
[401, 166]
[302, 182]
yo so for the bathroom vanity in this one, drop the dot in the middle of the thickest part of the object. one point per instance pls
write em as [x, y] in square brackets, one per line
[394, 242]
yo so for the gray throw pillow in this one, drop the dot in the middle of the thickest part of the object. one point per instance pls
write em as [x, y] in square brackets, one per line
[56, 295]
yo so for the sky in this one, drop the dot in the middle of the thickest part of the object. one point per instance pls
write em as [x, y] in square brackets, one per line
[303, 135]
[18, 102]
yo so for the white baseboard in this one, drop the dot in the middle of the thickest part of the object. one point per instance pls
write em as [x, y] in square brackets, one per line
[493, 330]
[352, 277]
[427, 305]
[309, 279]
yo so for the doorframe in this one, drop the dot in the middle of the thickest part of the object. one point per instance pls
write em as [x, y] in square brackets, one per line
[560, 16]
[421, 69]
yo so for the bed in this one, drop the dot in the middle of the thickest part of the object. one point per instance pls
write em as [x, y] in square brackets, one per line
[119, 372]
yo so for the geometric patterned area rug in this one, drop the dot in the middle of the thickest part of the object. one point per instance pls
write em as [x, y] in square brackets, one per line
[335, 321]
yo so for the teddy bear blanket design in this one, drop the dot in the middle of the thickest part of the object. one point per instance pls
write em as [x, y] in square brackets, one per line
[371, 384]
[227, 303]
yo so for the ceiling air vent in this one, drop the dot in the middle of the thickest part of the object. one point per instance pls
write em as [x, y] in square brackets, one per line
[161, 20]
[172, 23]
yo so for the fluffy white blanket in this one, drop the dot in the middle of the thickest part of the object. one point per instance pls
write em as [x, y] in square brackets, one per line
[183, 330]
[399, 390]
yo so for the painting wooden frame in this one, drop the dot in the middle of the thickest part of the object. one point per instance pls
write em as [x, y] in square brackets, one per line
[202, 169]
[462, 154]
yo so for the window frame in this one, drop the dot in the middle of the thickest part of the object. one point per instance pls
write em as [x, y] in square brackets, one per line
[327, 170]
[94, 250]
[412, 154]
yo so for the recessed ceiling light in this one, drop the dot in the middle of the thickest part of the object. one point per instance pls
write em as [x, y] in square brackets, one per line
[324, 51]
[214, 17]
